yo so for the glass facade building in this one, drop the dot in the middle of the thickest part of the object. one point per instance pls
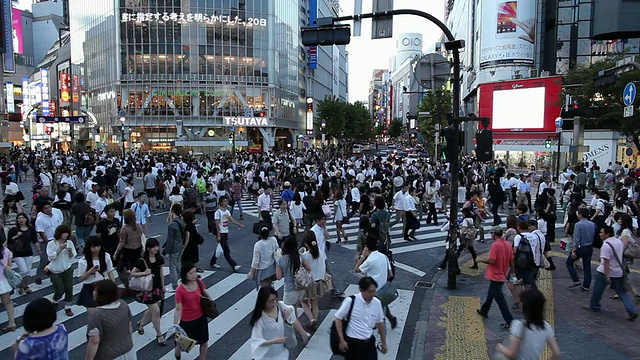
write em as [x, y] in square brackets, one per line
[186, 70]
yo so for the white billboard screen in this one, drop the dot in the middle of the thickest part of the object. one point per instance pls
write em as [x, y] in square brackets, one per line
[508, 32]
[518, 109]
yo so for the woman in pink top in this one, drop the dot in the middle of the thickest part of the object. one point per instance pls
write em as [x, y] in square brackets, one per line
[188, 312]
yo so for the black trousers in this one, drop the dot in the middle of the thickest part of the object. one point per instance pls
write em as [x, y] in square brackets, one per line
[362, 349]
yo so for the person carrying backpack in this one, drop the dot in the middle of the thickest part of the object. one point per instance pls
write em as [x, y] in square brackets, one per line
[524, 248]
[380, 224]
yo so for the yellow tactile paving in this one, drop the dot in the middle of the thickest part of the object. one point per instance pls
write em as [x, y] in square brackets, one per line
[545, 284]
[464, 330]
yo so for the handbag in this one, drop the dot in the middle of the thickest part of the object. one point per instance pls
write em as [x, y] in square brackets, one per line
[326, 283]
[142, 283]
[208, 306]
[13, 277]
[334, 338]
[289, 334]
[387, 294]
[302, 278]
[326, 210]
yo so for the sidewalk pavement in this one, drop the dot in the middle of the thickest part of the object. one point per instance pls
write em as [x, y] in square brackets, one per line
[450, 328]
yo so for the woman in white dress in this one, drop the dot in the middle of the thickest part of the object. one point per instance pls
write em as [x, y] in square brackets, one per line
[272, 322]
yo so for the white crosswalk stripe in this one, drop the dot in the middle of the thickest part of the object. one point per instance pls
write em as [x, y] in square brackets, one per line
[235, 298]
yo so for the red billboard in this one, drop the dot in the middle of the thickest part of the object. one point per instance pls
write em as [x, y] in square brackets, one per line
[64, 87]
[519, 107]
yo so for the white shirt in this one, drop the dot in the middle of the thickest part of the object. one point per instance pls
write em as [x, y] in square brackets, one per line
[223, 217]
[364, 316]
[377, 266]
[355, 195]
[263, 253]
[318, 266]
[59, 263]
[264, 202]
[410, 203]
[319, 232]
[399, 200]
[92, 198]
[536, 243]
[96, 276]
[48, 224]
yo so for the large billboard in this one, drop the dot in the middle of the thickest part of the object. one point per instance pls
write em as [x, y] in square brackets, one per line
[313, 50]
[508, 32]
[521, 106]
[18, 46]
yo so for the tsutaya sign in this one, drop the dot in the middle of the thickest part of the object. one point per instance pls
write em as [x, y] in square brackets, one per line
[191, 18]
[247, 121]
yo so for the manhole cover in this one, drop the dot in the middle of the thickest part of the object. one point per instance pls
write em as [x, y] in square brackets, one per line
[424, 284]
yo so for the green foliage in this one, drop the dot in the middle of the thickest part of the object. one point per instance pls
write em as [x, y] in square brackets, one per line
[341, 118]
[438, 105]
[602, 105]
[395, 130]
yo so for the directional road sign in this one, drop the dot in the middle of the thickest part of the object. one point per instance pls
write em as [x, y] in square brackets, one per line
[559, 122]
[629, 94]
[232, 128]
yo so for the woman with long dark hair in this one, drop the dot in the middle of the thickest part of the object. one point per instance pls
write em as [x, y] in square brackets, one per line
[268, 320]
[8, 213]
[19, 241]
[94, 266]
[188, 312]
[288, 266]
[151, 263]
[130, 244]
[61, 253]
[530, 335]
[312, 255]
[192, 239]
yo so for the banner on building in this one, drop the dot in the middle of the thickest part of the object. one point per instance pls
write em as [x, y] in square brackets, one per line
[18, 46]
[11, 106]
[44, 82]
[336, 71]
[64, 87]
[508, 32]
[62, 119]
[75, 88]
[313, 50]
[9, 61]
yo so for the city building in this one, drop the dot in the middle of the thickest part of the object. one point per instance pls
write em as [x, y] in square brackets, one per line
[376, 96]
[194, 75]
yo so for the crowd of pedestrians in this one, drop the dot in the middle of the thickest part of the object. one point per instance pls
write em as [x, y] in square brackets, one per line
[98, 216]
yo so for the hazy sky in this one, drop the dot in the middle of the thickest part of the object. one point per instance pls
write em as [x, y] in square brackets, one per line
[366, 54]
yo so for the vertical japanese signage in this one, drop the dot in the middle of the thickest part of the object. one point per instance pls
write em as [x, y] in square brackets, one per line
[75, 88]
[309, 115]
[64, 87]
[336, 71]
[11, 106]
[9, 60]
[44, 82]
[16, 37]
[26, 95]
[313, 50]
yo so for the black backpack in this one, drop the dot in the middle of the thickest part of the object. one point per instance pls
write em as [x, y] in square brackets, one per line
[524, 254]
[608, 208]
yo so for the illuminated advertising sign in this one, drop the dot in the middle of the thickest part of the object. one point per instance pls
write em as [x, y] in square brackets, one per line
[247, 121]
[503, 102]
[183, 18]
[508, 32]
[26, 96]
[9, 60]
[64, 87]
[75, 88]
[313, 50]
[309, 115]
[44, 82]
[11, 106]
[18, 47]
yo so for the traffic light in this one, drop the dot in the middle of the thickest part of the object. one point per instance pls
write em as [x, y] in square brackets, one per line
[451, 151]
[484, 145]
[261, 114]
[326, 35]
[547, 143]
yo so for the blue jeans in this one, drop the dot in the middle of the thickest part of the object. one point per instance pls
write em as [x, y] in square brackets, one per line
[239, 203]
[82, 233]
[617, 284]
[495, 292]
[584, 253]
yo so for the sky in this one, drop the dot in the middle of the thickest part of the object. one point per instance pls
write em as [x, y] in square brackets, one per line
[365, 54]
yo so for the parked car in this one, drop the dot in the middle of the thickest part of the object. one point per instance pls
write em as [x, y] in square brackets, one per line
[357, 149]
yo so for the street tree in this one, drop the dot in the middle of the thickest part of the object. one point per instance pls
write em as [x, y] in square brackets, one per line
[332, 112]
[358, 122]
[602, 106]
[438, 105]
[395, 130]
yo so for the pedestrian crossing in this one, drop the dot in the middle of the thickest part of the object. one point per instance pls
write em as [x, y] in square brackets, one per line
[229, 333]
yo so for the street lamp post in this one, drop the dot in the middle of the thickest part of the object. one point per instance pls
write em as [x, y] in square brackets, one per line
[324, 125]
[122, 114]
[559, 122]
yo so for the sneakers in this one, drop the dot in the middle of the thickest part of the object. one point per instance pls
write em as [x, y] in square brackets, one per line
[574, 285]
[68, 311]
[216, 266]
[584, 289]
[236, 268]
[394, 321]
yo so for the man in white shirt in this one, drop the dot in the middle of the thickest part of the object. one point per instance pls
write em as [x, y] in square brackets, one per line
[365, 313]
[399, 204]
[376, 265]
[355, 197]
[92, 196]
[46, 223]
[264, 205]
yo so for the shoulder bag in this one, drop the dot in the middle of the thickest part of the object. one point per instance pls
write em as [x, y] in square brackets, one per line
[623, 266]
[208, 306]
[302, 278]
[142, 283]
[345, 218]
[13, 277]
[387, 294]
[334, 338]
[289, 333]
